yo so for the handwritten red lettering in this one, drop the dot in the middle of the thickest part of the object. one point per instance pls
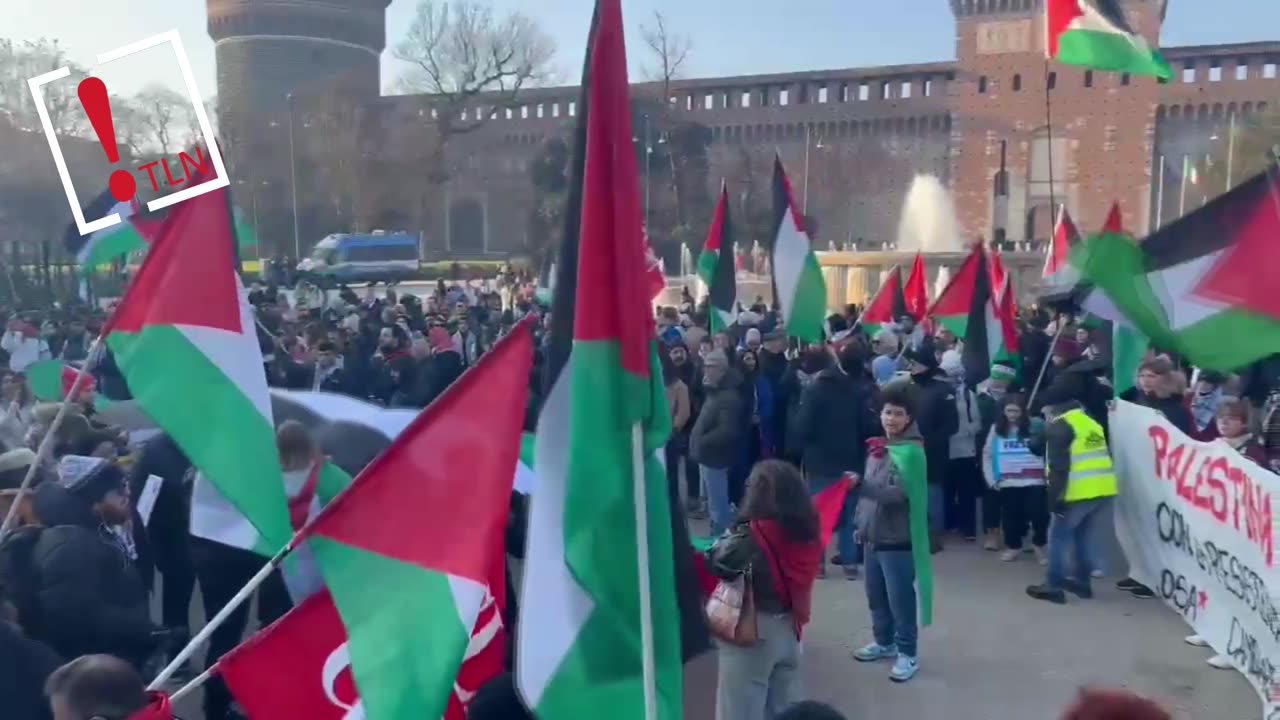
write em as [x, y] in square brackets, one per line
[1215, 475]
[1159, 443]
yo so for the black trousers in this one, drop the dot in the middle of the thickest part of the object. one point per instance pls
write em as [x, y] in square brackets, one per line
[677, 454]
[992, 509]
[222, 570]
[961, 488]
[1025, 506]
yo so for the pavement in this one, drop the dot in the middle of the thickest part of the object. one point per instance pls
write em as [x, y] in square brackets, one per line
[993, 653]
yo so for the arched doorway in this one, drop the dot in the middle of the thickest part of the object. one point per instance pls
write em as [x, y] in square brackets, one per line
[466, 226]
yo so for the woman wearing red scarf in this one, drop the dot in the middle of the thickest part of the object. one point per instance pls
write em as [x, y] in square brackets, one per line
[775, 537]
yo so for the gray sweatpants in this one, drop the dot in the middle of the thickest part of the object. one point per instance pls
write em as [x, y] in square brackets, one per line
[761, 681]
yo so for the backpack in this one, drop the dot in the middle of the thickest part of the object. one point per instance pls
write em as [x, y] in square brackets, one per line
[19, 580]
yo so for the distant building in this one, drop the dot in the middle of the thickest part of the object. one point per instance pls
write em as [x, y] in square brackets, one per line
[868, 131]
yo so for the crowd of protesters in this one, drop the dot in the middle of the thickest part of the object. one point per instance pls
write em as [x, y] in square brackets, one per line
[759, 425]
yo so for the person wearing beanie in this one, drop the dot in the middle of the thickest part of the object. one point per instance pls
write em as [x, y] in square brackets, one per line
[89, 596]
[718, 435]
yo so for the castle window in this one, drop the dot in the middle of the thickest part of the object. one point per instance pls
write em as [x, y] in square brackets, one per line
[928, 87]
[1088, 78]
[510, 113]
[709, 102]
[1017, 83]
[435, 114]
[1242, 70]
[764, 97]
[746, 98]
[1052, 81]
[784, 97]
[524, 112]
[555, 109]
[573, 108]
[906, 89]
[1269, 71]
[1215, 72]
[688, 102]
[1189, 73]
[541, 107]
[885, 92]
[844, 92]
[1125, 79]
[864, 92]
[982, 85]
[822, 94]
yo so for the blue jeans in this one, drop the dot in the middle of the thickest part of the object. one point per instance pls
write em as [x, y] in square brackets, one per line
[716, 481]
[1071, 538]
[891, 595]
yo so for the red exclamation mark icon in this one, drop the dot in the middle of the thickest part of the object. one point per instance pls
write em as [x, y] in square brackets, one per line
[93, 96]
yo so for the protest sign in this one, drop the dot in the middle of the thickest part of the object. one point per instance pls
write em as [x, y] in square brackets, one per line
[1196, 525]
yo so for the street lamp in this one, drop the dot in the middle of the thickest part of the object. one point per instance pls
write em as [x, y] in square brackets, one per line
[293, 184]
[804, 202]
[648, 161]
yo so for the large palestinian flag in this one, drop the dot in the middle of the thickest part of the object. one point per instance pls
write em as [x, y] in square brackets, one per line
[990, 334]
[801, 289]
[592, 628]
[715, 266]
[1095, 34]
[887, 307]
[1202, 285]
[103, 246]
[184, 338]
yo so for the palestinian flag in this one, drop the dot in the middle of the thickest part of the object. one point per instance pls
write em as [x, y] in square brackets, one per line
[408, 550]
[954, 304]
[916, 294]
[184, 337]
[1203, 285]
[1095, 34]
[51, 380]
[887, 307]
[588, 617]
[801, 289]
[998, 273]
[1065, 237]
[990, 336]
[715, 266]
[102, 246]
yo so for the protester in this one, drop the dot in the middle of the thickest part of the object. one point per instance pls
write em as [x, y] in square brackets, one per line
[719, 435]
[963, 480]
[1017, 476]
[22, 341]
[25, 664]
[1158, 390]
[891, 521]
[1203, 402]
[934, 402]
[775, 537]
[101, 687]
[1081, 486]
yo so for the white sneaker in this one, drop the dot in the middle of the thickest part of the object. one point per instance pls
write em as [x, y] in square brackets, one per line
[1196, 640]
[1221, 662]
[1008, 556]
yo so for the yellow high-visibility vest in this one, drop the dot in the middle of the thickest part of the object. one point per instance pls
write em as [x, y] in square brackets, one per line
[1091, 475]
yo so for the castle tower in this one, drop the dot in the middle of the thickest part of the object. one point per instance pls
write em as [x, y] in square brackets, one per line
[268, 49]
[1098, 143]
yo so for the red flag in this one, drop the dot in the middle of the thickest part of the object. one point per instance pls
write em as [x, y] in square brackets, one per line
[299, 667]
[998, 273]
[915, 292]
[1065, 235]
[829, 502]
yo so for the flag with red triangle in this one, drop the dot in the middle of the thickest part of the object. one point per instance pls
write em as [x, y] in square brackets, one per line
[887, 307]
[998, 273]
[185, 340]
[916, 293]
[989, 332]
[951, 308]
[408, 551]
[1065, 236]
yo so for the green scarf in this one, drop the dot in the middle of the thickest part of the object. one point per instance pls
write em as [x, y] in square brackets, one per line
[908, 458]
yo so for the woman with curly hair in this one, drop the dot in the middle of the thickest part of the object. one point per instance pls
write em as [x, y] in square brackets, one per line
[775, 542]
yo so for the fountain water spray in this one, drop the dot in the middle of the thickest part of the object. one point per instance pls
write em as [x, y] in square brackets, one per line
[928, 222]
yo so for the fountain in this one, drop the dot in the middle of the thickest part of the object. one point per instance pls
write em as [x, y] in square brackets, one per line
[944, 277]
[686, 260]
[928, 222]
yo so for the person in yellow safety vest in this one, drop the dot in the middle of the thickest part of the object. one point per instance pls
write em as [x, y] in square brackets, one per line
[1082, 483]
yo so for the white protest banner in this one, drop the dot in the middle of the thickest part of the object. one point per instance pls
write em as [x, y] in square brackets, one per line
[1195, 521]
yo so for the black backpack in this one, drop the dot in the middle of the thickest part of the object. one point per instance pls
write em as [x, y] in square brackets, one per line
[19, 580]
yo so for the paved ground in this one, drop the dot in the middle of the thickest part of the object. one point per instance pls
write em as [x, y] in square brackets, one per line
[995, 654]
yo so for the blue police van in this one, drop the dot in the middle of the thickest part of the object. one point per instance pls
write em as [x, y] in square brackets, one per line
[377, 257]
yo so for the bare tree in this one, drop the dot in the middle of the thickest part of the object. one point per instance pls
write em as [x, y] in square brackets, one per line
[670, 52]
[21, 61]
[462, 50]
[163, 112]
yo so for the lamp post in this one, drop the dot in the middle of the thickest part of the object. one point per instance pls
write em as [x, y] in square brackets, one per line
[293, 184]
[804, 201]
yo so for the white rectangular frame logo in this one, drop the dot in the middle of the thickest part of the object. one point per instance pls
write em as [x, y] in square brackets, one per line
[202, 117]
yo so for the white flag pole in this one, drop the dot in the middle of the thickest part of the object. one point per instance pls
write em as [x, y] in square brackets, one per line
[1160, 196]
[647, 660]
[46, 443]
[1182, 195]
[1231, 150]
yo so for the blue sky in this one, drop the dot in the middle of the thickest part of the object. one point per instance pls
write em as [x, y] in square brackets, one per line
[772, 37]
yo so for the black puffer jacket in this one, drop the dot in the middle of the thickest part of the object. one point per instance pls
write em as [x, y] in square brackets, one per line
[90, 598]
[936, 418]
[833, 423]
[25, 664]
[718, 435]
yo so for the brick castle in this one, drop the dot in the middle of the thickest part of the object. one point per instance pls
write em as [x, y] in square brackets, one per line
[866, 131]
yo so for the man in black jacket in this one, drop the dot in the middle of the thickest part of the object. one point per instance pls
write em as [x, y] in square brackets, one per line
[937, 419]
[832, 425]
[25, 664]
[718, 436]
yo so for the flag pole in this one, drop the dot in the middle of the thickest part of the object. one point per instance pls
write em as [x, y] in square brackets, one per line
[1231, 150]
[1044, 366]
[195, 684]
[1182, 194]
[647, 653]
[217, 620]
[46, 443]
[1160, 196]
